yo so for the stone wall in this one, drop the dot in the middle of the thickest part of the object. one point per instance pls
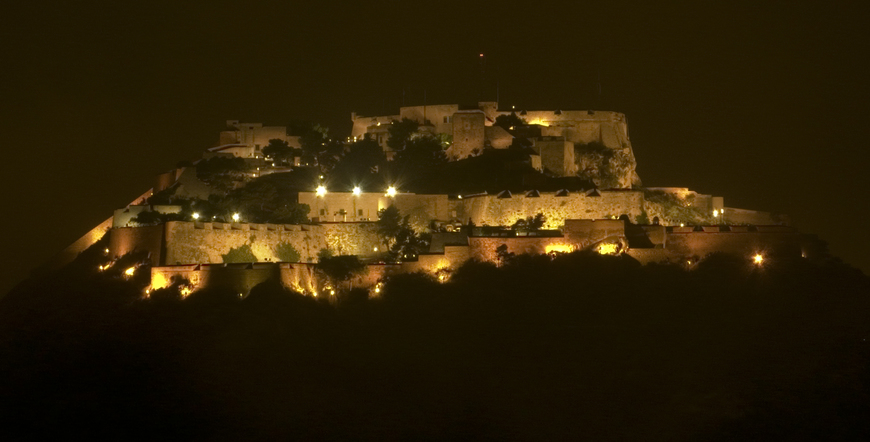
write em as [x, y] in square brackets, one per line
[124, 240]
[421, 209]
[557, 156]
[188, 242]
[494, 211]
[469, 134]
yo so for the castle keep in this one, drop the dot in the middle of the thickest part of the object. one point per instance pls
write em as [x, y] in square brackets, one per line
[652, 225]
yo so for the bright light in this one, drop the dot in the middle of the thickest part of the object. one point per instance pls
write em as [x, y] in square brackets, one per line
[715, 212]
[682, 225]
[391, 191]
[759, 259]
[321, 191]
[375, 249]
[607, 249]
[195, 215]
[106, 251]
[130, 271]
[236, 217]
[332, 292]
[357, 191]
[459, 196]
[377, 289]
[559, 248]
[185, 290]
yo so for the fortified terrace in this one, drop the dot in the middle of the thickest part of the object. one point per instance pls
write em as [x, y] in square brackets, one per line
[576, 189]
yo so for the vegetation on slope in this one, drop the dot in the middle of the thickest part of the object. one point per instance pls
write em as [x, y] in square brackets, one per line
[581, 347]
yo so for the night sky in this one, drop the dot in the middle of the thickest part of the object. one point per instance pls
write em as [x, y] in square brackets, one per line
[765, 105]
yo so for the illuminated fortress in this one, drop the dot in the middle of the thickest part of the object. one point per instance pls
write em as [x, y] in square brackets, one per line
[619, 219]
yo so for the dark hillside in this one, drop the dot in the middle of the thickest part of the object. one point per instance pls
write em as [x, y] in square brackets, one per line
[581, 347]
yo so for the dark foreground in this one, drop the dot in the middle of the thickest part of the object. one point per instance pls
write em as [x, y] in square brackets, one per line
[578, 348]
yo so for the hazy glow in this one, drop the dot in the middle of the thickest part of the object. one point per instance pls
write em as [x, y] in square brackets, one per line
[391, 191]
[321, 190]
[539, 122]
[357, 191]
[759, 259]
[130, 271]
[607, 249]
[236, 217]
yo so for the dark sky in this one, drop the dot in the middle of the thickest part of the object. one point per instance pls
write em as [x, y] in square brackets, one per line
[764, 104]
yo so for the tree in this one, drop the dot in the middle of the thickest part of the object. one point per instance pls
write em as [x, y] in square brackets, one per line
[363, 158]
[286, 252]
[221, 172]
[240, 254]
[389, 224]
[400, 133]
[342, 268]
[313, 143]
[508, 122]
[279, 151]
[420, 155]
[530, 224]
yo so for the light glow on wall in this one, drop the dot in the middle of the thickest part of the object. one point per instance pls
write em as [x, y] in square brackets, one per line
[539, 122]
[607, 249]
[559, 248]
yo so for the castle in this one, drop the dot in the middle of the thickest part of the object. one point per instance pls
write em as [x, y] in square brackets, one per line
[644, 223]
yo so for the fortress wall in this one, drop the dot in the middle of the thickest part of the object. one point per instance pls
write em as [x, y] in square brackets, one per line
[582, 233]
[469, 134]
[350, 238]
[647, 256]
[124, 240]
[239, 277]
[189, 242]
[609, 128]
[361, 123]
[326, 207]
[421, 208]
[494, 211]
[684, 245]
[484, 248]
[194, 242]
[70, 253]
[743, 216]
[434, 113]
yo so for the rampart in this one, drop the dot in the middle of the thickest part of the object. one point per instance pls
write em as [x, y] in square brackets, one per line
[345, 206]
[557, 207]
[179, 242]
